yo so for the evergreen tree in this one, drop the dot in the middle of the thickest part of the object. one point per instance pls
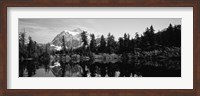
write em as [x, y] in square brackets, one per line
[22, 46]
[145, 37]
[121, 45]
[30, 47]
[63, 45]
[22, 53]
[137, 40]
[92, 43]
[102, 48]
[170, 35]
[177, 36]
[132, 45]
[111, 44]
[84, 38]
[151, 36]
[126, 42]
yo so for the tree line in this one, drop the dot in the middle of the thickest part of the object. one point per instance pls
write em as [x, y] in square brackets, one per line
[150, 40]
[30, 54]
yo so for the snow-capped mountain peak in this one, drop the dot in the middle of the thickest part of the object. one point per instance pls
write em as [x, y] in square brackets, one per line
[74, 31]
[72, 38]
[71, 32]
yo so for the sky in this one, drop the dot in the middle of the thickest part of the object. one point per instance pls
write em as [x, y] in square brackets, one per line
[43, 30]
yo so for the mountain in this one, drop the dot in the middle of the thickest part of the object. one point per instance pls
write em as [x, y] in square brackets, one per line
[72, 39]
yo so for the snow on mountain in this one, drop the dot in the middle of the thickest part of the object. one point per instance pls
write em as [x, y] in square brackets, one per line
[72, 39]
[71, 32]
[55, 47]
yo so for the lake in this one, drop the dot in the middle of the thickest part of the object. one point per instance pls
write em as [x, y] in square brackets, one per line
[112, 68]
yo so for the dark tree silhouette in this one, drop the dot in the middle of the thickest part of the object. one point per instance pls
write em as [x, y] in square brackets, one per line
[84, 38]
[22, 53]
[111, 44]
[102, 47]
[92, 43]
[121, 45]
[85, 42]
[63, 45]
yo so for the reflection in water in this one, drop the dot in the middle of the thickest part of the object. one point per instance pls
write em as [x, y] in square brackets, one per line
[124, 68]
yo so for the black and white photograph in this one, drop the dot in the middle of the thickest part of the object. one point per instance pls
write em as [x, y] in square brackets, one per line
[99, 47]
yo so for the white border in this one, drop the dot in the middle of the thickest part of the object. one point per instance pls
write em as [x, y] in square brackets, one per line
[184, 82]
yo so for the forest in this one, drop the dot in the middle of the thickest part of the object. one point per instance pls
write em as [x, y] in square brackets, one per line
[164, 44]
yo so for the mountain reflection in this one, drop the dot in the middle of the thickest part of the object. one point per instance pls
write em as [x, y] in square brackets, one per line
[119, 68]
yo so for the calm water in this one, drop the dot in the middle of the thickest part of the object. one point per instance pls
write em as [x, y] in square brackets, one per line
[113, 68]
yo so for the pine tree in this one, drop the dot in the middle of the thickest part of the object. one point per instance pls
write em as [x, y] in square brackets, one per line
[121, 45]
[22, 46]
[63, 45]
[84, 38]
[92, 43]
[137, 41]
[126, 42]
[102, 48]
[111, 44]
[30, 47]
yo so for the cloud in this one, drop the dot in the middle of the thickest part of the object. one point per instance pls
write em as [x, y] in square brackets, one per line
[30, 27]
[78, 26]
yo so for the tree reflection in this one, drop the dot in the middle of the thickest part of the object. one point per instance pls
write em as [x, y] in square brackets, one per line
[123, 68]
